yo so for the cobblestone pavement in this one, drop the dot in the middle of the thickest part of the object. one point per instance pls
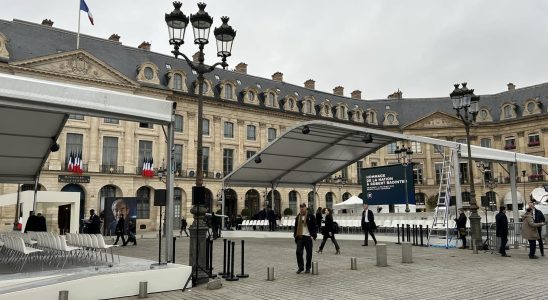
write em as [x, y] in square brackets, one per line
[435, 273]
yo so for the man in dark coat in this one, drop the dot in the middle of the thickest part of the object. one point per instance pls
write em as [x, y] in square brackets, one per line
[41, 223]
[94, 223]
[538, 217]
[271, 220]
[304, 231]
[32, 222]
[120, 230]
[461, 227]
[502, 230]
[368, 224]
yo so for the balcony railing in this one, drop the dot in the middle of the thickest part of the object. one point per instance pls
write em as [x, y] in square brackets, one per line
[112, 169]
[536, 177]
[533, 144]
[510, 147]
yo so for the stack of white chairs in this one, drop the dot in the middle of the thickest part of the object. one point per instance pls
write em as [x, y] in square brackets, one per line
[245, 225]
[17, 251]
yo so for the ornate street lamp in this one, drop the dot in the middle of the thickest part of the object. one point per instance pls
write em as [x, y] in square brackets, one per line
[404, 156]
[466, 105]
[341, 182]
[201, 23]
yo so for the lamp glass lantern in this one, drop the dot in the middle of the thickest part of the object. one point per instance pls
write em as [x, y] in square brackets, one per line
[225, 36]
[201, 24]
[456, 96]
[176, 24]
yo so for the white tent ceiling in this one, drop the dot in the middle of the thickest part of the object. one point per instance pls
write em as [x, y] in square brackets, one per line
[298, 159]
[33, 113]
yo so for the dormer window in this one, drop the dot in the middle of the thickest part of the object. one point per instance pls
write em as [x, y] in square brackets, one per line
[291, 104]
[372, 117]
[228, 91]
[148, 72]
[177, 82]
[509, 111]
[390, 118]
[250, 96]
[342, 112]
[270, 99]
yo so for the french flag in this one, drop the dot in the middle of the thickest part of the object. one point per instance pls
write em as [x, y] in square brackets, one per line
[84, 7]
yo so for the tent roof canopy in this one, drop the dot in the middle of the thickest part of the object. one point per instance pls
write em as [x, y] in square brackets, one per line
[33, 113]
[297, 158]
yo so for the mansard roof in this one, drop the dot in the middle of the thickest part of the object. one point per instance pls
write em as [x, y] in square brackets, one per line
[24, 38]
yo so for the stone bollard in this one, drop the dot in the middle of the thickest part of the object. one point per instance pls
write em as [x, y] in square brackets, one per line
[353, 263]
[270, 273]
[143, 289]
[63, 295]
[381, 255]
[406, 253]
[474, 247]
[315, 268]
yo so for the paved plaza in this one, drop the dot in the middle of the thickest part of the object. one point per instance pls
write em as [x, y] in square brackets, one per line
[435, 273]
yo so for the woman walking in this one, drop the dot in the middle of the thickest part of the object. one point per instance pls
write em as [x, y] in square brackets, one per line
[328, 231]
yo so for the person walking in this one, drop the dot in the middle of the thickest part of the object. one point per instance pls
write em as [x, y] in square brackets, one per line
[461, 227]
[538, 217]
[368, 224]
[304, 231]
[184, 224]
[120, 227]
[529, 231]
[328, 232]
[131, 231]
[502, 230]
[319, 217]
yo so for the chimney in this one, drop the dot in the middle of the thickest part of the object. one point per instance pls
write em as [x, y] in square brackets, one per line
[278, 76]
[310, 84]
[338, 90]
[196, 57]
[47, 22]
[396, 95]
[241, 68]
[511, 86]
[145, 46]
[357, 94]
[114, 37]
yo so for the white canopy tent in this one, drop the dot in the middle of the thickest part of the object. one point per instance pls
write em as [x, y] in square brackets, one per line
[33, 113]
[313, 151]
[351, 202]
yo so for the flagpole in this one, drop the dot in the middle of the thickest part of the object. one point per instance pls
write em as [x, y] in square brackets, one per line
[78, 35]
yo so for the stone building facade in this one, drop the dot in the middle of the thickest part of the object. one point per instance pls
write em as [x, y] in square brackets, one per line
[242, 114]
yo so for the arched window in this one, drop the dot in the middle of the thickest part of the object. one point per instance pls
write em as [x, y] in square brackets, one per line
[291, 104]
[250, 96]
[270, 99]
[326, 110]
[228, 91]
[104, 192]
[329, 200]
[178, 82]
[346, 196]
[311, 202]
[308, 107]
[178, 123]
[293, 201]
[342, 112]
[508, 111]
[143, 202]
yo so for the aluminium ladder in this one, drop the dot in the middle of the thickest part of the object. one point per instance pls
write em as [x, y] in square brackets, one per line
[440, 223]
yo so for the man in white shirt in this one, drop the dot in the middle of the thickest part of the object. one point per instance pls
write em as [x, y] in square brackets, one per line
[368, 224]
[305, 230]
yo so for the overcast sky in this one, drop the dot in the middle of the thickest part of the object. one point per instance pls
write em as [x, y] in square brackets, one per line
[421, 47]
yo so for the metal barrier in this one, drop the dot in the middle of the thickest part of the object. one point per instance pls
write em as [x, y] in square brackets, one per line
[514, 236]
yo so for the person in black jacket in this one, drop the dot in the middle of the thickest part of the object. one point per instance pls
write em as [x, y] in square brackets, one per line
[120, 228]
[319, 217]
[368, 224]
[538, 217]
[461, 227]
[304, 231]
[502, 230]
[328, 232]
[93, 224]
[32, 222]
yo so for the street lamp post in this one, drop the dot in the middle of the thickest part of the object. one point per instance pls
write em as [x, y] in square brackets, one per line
[201, 23]
[341, 182]
[404, 156]
[466, 105]
[524, 176]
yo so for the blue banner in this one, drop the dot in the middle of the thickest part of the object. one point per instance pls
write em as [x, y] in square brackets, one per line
[388, 185]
